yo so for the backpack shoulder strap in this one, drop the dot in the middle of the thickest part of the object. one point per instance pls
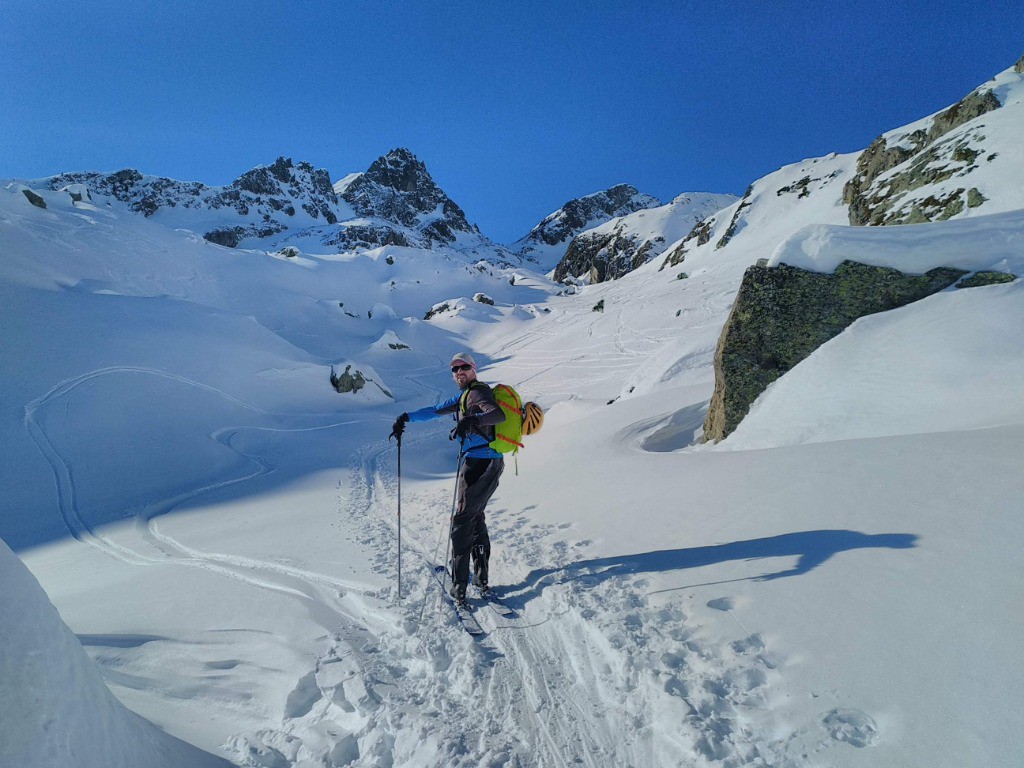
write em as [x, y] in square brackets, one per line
[464, 399]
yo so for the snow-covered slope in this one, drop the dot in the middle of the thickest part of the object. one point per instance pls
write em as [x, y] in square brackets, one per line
[55, 708]
[961, 161]
[832, 585]
[616, 247]
[966, 165]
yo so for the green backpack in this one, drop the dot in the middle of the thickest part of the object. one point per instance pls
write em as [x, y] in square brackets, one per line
[508, 435]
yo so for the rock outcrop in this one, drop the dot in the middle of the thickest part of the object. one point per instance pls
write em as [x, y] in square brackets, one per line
[33, 198]
[923, 157]
[559, 228]
[604, 256]
[782, 314]
[613, 249]
[397, 188]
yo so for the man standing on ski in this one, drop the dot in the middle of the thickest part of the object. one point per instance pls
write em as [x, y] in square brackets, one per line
[476, 413]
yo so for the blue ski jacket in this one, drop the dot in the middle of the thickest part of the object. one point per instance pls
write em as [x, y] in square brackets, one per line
[480, 402]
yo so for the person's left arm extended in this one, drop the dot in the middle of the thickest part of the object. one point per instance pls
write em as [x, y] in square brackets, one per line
[434, 411]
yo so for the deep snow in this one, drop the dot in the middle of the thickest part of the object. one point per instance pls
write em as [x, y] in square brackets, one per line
[837, 584]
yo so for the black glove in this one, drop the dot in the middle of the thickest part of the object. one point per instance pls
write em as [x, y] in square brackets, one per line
[467, 425]
[399, 426]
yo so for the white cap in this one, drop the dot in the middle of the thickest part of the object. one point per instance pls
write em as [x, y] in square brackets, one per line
[463, 357]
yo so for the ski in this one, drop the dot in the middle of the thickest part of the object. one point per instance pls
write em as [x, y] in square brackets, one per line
[497, 605]
[465, 615]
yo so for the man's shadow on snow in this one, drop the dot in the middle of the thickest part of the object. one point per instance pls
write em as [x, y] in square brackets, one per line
[812, 548]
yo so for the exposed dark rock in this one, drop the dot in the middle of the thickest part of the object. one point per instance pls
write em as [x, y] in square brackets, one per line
[799, 188]
[483, 298]
[353, 236]
[348, 382]
[605, 255]
[437, 310]
[398, 188]
[731, 230]
[232, 236]
[1019, 66]
[979, 279]
[975, 198]
[33, 198]
[973, 105]
[700, 234]
[229, 238]
[582, 213]
[782, 314]
[927, 161]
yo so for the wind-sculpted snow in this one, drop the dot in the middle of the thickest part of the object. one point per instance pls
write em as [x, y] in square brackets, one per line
[55, 709]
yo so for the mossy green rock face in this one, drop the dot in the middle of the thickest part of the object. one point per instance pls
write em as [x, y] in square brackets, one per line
[782, 314]
[979, 279]
[924, 158]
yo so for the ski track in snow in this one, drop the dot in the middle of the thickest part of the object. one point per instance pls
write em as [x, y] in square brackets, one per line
[574, 680]
[303, 584]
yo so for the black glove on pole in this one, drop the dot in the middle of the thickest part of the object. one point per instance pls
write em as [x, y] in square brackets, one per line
[467, 425]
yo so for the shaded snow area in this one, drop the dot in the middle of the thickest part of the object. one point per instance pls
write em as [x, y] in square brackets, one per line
[837, 584]
[55, 708]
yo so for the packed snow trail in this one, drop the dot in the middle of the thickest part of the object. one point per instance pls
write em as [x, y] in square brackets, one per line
[589, 673]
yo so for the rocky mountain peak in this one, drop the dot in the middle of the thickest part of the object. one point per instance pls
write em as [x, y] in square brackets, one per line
[397, 187]
[284, 177]
[402, 171]
[547, 241]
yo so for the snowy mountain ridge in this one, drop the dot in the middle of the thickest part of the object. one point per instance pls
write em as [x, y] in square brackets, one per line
[218, 526]
[616, 247]
[547, 242]
[268, 198]
[960, 162]
[394, 202]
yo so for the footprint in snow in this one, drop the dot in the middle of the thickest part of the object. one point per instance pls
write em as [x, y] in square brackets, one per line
[722, 604]
[852, 726]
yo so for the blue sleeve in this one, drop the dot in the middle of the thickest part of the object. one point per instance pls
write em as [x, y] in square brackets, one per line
[434, 411]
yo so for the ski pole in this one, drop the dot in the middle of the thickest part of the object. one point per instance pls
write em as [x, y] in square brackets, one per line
[449, 565]
[397, 434]
[399, 518]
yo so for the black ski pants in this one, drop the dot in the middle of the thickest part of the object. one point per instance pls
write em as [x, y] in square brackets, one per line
[477, 482]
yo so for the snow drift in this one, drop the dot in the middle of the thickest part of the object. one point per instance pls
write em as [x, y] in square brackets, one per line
[55, 708]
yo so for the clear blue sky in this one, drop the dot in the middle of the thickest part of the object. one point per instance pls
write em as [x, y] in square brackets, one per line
[514, 107]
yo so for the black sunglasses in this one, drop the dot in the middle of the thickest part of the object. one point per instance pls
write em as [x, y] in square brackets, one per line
[463, 367]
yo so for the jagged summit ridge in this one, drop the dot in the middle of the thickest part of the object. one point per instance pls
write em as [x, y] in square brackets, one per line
[394, 202]
[547, 241]
[398, 188]
[268, 199]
